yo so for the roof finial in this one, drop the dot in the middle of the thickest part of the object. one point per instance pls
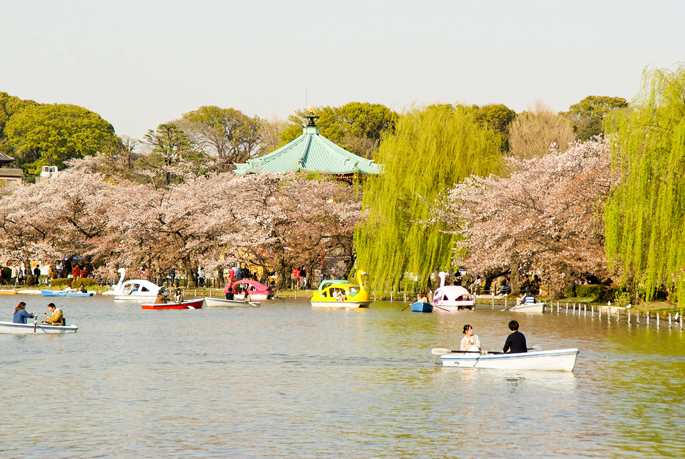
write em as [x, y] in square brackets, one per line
[311, 117]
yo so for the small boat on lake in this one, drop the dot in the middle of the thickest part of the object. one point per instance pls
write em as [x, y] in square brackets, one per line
[134, 289]
[452, 297]
[29, 329]
[556, 360]
[257, 290]
[65, 293]
[191, 304]
[350, 296]
[220, 302]
[421, 307]
[538, 308]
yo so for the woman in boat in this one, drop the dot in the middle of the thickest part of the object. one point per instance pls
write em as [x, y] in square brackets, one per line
[247, 298]
[470, 342]
[20, 314]
[423, 298]
[178, 295]
[56, 317]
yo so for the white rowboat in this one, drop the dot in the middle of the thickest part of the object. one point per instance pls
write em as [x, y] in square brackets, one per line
[529, 307]
[556, 360]
[28, 329]
[220, 302]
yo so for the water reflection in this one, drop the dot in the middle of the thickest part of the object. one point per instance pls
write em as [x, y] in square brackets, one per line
[287, 380]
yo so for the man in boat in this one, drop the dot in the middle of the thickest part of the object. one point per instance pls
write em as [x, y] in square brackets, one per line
[528, 298]
[161, 298]
[56, 317]
[516, 341]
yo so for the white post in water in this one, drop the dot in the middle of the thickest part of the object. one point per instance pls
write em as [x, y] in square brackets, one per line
[628, 316]
[599, 311]
[647, 316]
[493, 301]
[557, 307]
[567, 307]
[669, 320]
[505, 302]
[681, 321]
[592, 310]
[585, 309]
[637, 317]
[391, 295]
[618, 315]
[657, 320]
[405, 296]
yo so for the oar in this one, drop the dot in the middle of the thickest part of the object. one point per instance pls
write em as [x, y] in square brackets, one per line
[35, 321]
[413, 303]
[537, 347]
[442, 350]
[441, 308]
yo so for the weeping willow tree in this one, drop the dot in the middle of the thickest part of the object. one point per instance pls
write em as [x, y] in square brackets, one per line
[431, 149]
[645, 216]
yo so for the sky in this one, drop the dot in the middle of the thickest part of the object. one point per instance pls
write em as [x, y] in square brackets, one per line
[142, 63]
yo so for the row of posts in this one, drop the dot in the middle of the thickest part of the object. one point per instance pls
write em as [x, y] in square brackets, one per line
[629, 315]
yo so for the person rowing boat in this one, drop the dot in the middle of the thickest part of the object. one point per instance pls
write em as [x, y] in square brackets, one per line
[516, 341]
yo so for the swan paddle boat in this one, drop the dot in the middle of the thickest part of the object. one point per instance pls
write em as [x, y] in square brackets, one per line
[134, 289]
[452, 297]
[352, 296]
[65, 293]
[35, 328]
[220, 302]
[191, 304]
[258, 291]
[556, 360]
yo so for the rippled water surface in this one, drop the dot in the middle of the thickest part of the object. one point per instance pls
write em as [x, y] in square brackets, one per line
[286, 380]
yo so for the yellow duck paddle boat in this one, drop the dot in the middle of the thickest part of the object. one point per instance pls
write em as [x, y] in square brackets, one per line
[343, 295]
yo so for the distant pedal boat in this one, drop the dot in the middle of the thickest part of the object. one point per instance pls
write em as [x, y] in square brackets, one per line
[192, 304]
[29, 329]
[555, 360]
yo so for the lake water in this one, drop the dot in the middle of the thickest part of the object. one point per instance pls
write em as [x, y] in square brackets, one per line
[287, 380]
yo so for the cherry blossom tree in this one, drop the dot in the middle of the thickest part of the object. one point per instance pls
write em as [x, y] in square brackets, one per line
[546, 214]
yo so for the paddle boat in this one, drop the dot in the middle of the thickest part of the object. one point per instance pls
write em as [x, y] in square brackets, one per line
[134, 289]
[257, 290]
[556, 360]
[65, 293]
[421, 307]
[220, 302]
[351, 296]
[452, 297]
[191, 304]
[28, 329]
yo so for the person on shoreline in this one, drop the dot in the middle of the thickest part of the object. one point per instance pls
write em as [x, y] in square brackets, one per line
[470, 342]
[20, 314]
[56, 317]
[516, 341]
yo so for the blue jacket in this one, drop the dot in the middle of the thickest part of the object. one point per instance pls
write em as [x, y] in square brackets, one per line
[21, 316]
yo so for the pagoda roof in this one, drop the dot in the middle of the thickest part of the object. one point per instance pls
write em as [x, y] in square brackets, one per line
[4, 159]
[310, 152]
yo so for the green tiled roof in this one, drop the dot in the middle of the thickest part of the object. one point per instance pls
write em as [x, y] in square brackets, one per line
[309, 152]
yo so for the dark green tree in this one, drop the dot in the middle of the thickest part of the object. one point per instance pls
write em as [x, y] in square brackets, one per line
[49, 135]
[172, 154]
[587, 115]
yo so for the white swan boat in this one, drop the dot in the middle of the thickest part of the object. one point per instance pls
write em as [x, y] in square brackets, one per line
[220, 302]
[29, 329]
[452, 297]
[556, 360]
[529, 307]
[134, 289]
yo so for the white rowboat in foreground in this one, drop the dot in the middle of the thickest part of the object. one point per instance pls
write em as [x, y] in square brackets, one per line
[556, 360]
[28, 329]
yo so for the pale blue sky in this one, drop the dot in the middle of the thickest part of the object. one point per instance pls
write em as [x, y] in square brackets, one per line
[141, 63]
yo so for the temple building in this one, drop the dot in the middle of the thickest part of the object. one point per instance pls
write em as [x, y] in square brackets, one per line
[310, 152]
[6, 173]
